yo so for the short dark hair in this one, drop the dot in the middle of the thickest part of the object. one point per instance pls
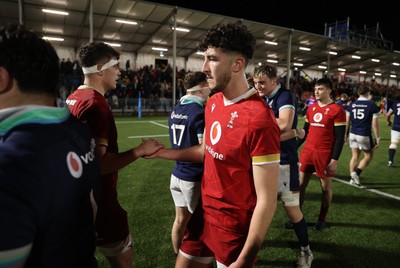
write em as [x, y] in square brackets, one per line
[193, 79]
[362, 90]
[265, 69]
[324, 82]
[96, 52]
[29, 59]
[233, 37]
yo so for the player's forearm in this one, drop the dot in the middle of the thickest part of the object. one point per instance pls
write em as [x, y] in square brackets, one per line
[305, 128]
[266, 185]
[259, 226]
[112, 162]
[339, 141]
[190, 154]
[388, 114]
[293, 133]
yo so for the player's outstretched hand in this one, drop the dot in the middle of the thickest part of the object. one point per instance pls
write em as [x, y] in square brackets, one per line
[155, 155]
[301, 133]
[149, 147]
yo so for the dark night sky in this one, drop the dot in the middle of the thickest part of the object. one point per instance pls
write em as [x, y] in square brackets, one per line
[307, 17]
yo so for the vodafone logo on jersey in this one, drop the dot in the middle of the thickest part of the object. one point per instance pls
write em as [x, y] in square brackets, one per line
[215, 136]
[178, 116]
[317, 117]
[215, 132]
[74, 164]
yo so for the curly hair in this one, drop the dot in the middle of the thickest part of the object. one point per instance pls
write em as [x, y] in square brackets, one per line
[30, 60]
[233, 37]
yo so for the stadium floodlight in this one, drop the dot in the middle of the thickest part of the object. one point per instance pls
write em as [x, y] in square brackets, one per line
[57, 12]
[180, 29]
[272, 61]
[159, 49]
[271, 43]
[127, 22]
[53, 38]
[305, 48]
[113, 44]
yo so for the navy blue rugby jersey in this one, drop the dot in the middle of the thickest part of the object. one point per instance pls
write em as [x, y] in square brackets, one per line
[279, 100]
[396, 113]
[47, 170]
[361, 113]
[186, 125]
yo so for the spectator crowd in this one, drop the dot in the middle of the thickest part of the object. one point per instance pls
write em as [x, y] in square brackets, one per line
[154, 85]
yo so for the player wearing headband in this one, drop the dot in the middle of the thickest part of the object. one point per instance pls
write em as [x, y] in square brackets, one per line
[186, 127]
[99, 63]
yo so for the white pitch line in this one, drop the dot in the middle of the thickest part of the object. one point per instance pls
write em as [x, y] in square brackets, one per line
[158, 124]
[134, 122]
[336, 179]
[370, 190]
[147, 136]
[151, 136]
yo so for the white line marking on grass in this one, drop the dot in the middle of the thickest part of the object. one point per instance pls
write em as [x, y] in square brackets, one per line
[370, 189]
[151, 136]
[126, 122]
[158, 124]
[130, 122]
[147, 136]
[384, 194]
[336, 179]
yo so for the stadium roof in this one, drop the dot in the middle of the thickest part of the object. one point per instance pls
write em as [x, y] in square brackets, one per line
[154, 28]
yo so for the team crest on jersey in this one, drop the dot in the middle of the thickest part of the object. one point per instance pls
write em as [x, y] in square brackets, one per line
[327, 110]
[233, 116]
[74, 164]
[215, 132]
[213, 107]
